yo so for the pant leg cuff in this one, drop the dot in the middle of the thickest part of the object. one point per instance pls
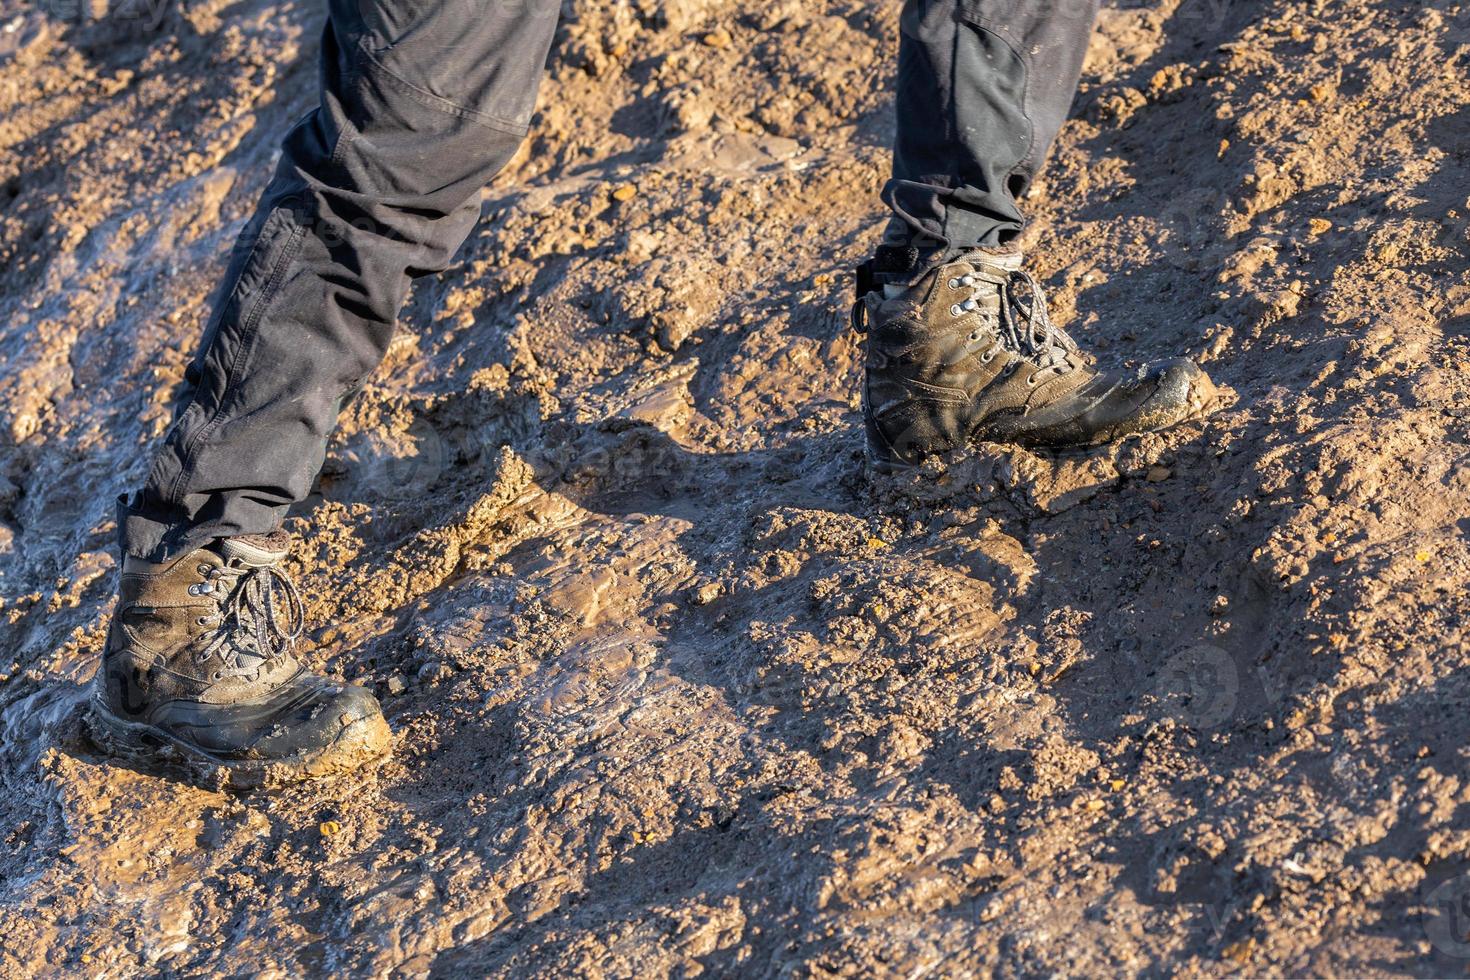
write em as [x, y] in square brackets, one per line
[146, 536]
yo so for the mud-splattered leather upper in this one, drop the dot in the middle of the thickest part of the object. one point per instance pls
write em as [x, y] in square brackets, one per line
[964, 350]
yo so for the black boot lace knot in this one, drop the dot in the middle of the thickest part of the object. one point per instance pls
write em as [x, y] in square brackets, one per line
[260, 610]
[1028, 326]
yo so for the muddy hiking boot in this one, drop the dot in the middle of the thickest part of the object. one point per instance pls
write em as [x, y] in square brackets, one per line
[963, 350]
[199, 665]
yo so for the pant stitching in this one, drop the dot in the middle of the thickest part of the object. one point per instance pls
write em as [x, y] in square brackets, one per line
[248, 334]
[1001, 31]
[951, 120]
[433, 101]
[1001, 34]
[187, 451]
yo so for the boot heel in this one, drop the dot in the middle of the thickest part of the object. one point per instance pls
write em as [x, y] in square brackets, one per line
[120, 738]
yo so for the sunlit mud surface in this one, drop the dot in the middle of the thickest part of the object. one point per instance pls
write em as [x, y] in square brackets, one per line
[675, 688]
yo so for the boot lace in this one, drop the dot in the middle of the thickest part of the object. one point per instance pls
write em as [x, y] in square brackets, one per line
[264, 604]
[1025, 325]
[1028, 326]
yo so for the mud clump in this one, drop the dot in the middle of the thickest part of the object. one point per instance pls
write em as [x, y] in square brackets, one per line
[674, 687]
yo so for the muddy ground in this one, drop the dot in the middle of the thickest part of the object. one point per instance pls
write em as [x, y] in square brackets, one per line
[676, 689]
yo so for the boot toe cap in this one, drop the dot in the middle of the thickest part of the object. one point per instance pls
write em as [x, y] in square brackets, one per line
[333, 719]
[1180, 390]
[1180, 381]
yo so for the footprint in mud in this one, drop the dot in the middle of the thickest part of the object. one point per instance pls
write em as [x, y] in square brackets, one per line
[589, 687]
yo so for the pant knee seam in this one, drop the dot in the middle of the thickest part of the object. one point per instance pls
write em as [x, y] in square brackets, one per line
[247, 344]
[432, 101]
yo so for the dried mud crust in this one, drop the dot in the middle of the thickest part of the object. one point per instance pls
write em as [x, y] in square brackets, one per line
[676, 690]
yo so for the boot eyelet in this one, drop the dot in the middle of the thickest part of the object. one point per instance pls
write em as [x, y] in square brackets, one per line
[204, 569]
[955, 310]
[954, 284]
[202, 620]
[1031, 380]
[987, 357]
[218, 675]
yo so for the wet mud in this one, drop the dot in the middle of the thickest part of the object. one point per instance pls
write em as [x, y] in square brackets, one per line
[676, 688]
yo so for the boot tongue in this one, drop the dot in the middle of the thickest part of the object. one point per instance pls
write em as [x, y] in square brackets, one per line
[256, 550]
[264, 602]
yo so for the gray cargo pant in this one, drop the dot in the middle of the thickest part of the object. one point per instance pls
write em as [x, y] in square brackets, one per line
[422, 102]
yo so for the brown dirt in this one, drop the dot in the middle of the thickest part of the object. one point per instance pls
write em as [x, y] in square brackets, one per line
[674, 688]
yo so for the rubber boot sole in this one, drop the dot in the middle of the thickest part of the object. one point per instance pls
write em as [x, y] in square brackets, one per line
[359, 744]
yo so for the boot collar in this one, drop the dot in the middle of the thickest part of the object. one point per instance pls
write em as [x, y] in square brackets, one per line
[902, 267]
[256, 550]
[251, 550]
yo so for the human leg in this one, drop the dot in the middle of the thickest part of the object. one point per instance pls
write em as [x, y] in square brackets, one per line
[420, 105]
[983, 88]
